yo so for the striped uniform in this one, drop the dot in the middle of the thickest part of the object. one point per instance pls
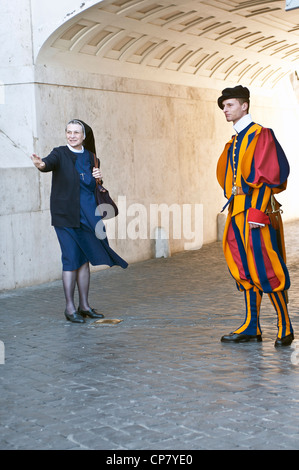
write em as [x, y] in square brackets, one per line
[255, 163]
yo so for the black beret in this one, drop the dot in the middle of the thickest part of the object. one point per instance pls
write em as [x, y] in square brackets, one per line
[236, 92]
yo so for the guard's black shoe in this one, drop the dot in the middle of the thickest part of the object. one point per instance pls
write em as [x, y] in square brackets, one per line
[240, 338]
[285, 341]
[74, 317]
[91, 312]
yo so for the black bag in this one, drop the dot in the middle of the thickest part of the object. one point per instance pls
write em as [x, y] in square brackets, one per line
[106, 206]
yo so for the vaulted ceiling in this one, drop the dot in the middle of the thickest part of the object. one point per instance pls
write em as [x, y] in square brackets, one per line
[255, 42]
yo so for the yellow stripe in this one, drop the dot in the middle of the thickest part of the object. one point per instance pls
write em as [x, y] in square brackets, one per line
[248, 317]
[285, 312]
[279, 314]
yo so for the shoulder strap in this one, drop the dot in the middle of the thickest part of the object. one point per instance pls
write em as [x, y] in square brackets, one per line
[96, 163]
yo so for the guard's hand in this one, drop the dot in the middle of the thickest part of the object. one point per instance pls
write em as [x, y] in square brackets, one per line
[252, 225]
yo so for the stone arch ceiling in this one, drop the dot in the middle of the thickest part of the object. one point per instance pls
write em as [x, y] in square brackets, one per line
[253, 42]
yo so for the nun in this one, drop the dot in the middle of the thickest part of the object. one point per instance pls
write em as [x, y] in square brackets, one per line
[74, 216]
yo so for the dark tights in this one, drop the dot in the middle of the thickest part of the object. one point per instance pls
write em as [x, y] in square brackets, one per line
[80, 277]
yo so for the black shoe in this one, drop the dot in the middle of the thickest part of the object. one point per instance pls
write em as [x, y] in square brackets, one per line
[240, 338]
[91, 312]
[74, 317]
[285, 341]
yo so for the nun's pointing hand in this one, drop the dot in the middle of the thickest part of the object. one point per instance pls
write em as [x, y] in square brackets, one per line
[37, 161]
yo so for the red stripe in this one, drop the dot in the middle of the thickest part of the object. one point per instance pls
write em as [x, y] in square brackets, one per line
[233, 246]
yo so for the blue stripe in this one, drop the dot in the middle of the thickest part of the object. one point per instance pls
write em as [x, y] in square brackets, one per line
[273, 237]
[259, 260]
[260, 198]
[226, 170]
[283, 162]
[250, 138]
[251, 176]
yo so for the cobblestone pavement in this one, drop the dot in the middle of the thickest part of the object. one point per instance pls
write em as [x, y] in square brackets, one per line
[161, 378]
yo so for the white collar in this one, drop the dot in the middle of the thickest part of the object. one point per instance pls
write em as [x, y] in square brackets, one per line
[242, 123]
[74, 150]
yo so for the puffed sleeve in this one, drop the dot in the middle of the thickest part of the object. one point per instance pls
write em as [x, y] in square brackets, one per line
[266, 164]
[51, 161]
